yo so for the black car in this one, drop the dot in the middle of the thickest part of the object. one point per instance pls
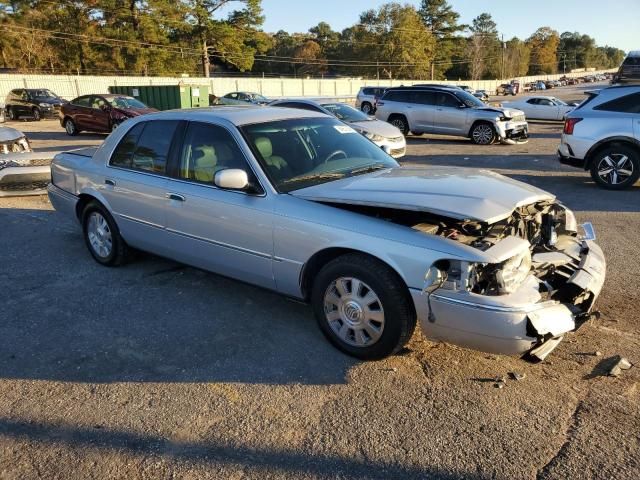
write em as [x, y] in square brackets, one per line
[36, 103]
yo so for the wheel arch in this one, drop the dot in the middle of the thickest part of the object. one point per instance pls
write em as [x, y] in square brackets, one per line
[476, 122]
[629, 141]
[85, 197]
[319, 259]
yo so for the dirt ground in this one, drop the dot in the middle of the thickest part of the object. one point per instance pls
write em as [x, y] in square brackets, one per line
[156, 370]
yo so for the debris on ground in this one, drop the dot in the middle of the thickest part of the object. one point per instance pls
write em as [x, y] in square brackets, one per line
[619, 366]
[517, 376]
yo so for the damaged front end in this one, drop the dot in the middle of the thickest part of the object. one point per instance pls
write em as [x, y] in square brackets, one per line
[541, 283]
[26, 173]
[540, 280]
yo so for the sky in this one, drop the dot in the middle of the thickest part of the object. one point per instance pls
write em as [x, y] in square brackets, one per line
[613, 22]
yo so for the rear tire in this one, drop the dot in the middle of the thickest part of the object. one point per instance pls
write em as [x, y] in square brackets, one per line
[363, 307]
[12, 114]
[366, 108]
[615, 167]
[400, 122]
[483, 133]
[102, 236]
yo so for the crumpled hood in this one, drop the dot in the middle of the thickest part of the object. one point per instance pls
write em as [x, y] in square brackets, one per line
[507, 112]
[460, 193]
[377, 127]
[8, 134]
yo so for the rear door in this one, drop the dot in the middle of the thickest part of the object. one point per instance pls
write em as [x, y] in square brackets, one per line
[450, 118]
[225, 231]
[81, 112]
[136, 184]
[421, 110]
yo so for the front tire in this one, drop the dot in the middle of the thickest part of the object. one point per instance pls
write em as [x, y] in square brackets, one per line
[400, 122]
[483, 133]
[363, 307]
[70, 127]
[35, 113]
[102, 237]
[12, 114]
[615, 167]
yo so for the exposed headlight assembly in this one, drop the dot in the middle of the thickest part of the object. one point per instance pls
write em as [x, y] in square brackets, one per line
[373, 137]
[513, 272]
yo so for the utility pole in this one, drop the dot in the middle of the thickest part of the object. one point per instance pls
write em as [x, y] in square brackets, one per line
[564, 63]
[504, 47]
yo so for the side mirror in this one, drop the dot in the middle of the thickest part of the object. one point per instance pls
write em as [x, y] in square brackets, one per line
[232, 179]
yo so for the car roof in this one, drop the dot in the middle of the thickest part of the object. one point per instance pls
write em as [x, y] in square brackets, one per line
[426, 87]
[238, 115]
[634, 53]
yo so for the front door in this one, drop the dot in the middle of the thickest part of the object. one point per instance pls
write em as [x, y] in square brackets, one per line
[136, 184]
[224, 231]
[450, 117]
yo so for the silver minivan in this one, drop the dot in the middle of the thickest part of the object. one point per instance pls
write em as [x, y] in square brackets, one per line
[451, 111]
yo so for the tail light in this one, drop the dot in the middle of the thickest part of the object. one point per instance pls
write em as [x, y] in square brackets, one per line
[569, 125]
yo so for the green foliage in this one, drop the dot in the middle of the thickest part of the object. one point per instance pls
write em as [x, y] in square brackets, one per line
[164, 37]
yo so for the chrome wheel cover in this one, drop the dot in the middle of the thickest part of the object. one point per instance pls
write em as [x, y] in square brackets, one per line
[69, 127]
[615, 168]
[366, 108]
[99, 235]
[482, 134]
[354, 312]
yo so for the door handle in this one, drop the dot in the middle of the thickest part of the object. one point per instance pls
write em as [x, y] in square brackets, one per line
[108, 181]
[176, 197]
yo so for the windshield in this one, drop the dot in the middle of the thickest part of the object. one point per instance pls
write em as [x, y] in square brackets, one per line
[345, 113]
[125, 102]
[42, 93]
[468, 99]
[258, 98]
[559, 102]
[302, 152]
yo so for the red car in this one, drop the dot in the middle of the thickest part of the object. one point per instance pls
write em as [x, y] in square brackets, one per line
[100, 113]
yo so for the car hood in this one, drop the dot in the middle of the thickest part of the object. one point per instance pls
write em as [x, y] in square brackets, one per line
[8, 134]
[134, 112]
[506, 111]
[51, 100]
[377, 127]
[460, 193]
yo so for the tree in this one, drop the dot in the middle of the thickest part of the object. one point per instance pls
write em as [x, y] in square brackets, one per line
[483, 47]
[516, 58]
[309, 55]
[442, 21]
[544, 47]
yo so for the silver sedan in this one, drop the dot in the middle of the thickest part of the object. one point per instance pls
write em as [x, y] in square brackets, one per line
[300, 203]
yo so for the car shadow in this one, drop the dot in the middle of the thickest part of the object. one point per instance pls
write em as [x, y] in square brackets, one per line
[294, 463]
[66, 318]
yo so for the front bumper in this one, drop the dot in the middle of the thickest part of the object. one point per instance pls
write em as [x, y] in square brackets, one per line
[24, 174]
[397, 147]
[512, 133]
[522, 322]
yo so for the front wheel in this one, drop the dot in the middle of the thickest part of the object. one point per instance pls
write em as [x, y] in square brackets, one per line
[400, 122]
[483, 134]
[12, 114]
[616, 167]
[363, 307]
[35, 113]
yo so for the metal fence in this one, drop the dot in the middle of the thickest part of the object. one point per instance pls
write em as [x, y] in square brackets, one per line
[70, 86]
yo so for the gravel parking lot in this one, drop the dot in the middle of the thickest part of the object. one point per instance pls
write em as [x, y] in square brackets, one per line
[156, 370]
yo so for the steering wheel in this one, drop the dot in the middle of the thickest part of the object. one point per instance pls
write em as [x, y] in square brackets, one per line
[336, 153]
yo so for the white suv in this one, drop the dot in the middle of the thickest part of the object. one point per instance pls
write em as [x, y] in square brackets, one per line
[451, 111]
[602, 135]
[367, 98]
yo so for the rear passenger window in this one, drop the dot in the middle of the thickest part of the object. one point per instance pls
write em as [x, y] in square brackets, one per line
[446, 100]
[423, 98]
[146, 147]
[626, 104]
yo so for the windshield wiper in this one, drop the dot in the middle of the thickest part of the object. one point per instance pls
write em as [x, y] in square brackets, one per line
[368, 169]
[314, 176]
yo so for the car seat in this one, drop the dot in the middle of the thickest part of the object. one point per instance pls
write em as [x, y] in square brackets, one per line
[204, 163]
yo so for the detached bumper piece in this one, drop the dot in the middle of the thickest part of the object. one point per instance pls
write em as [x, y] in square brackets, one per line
[516, 136]
[24, 174]
[575, 275]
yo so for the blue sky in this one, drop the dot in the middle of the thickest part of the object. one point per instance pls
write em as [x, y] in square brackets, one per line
[613, 22]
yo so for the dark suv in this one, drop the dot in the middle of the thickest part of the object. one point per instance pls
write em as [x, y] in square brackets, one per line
[629, 72]
[35, 103]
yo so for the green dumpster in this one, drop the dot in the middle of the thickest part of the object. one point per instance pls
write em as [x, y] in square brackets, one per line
[166, 97]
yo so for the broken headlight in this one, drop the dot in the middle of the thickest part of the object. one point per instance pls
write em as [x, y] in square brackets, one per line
[512, 272]
[373, 136]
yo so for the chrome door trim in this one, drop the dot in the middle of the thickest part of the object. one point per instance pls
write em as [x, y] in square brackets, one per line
[222, 244]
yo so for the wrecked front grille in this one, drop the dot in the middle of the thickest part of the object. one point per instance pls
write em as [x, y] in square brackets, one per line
[40, 162]
[518, 118]
[23, 186]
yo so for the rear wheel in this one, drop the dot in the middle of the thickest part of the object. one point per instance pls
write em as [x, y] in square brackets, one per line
[70, 127]
[363, 307]
[12, 114]
[616, 167]
[102, 236]
[366, 107]
[483, 133]
[400, 122]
